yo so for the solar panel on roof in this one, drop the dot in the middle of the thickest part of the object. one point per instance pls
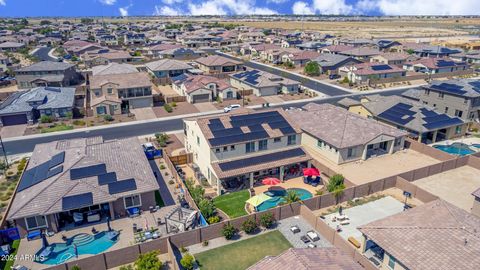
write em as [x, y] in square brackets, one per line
[77, 201]
[57, 159]
[381, 67]
[449, 87]
[107, 178]
[122, 186]
[54, 171]
[238, 138]
[236, 164]
[83, 172]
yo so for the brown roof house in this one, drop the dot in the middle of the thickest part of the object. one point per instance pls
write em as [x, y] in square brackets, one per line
[218, 65]
[364, 72]
[201, 88]
[79, 181]
[118, 92]
[342, 136]
[104, 57]
[433, 236]
[308, 259]
[47, 73]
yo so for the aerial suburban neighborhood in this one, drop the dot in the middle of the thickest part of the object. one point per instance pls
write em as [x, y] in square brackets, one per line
[239, 135]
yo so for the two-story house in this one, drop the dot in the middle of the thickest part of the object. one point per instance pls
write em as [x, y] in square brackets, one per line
[262, 83]
[165, 69]
[216, 65]
[459, 98]
[134, 39]
[236, 150]
[47, 73]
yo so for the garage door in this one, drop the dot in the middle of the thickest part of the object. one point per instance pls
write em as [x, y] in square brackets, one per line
[11, 120]
[141, 102]
[201, 98]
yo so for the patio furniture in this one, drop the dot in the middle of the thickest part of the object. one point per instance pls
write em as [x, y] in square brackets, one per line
[33, 234]
[152, 209]
[50, 234]
[304, 239]
[342, 217]
[133, 212]
[148, 235]
[155, 235]
[159, 221]
[6, 249]
[93, 217]
[78, 218]
[112, 235]
[345, 222]
[135, 228]
[295, 229]
[313, 236]
[46, 252]
[377, 263]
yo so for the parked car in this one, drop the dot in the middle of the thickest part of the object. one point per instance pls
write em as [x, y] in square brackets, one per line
[230, 108]
[333, 76]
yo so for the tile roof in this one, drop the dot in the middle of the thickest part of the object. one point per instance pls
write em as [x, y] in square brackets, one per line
[125, 157]
[167, 64]
[433, 63]
[127, 80]
[433, 236]
[362, 51]
[47, 66]
[216, 60]
[375, 68]
[330, 59]
[113, 68]
[308, 259]
[52, 98]
[462, 87]
[339, 127]
[195, 82]
[258, 78]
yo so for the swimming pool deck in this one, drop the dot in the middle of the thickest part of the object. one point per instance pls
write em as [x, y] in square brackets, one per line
[296, 182]
[124, 225]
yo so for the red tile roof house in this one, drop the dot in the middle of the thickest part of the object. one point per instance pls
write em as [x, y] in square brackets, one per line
[218, 65]
[436, 65]
[201, 88]
[300, 58]
[335, 49]
[362, 73]
[393, 58]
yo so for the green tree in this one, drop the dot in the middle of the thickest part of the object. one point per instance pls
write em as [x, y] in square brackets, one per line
[410, 51]
[267, 220]
[148, 261]
[187, 261]
[46, 119]
[206, 207]
[45, 22]
[335, 182]
[249, 225]
[162, 139]
[312, 68]
[291, 197]
[228, 231]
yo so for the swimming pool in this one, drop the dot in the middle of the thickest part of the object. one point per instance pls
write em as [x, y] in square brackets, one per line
[459, 149]
[278, 198]
[86, 244]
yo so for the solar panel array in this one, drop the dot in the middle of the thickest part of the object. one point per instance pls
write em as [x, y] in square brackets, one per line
[107, 178]
[237, 164]
[122, 186]
[449, 87]
[42, 172]
[399, 114]
[77, 201]
[434, 120]
[249, 76]
[233, 135]
[381, 67]
[88, 171]
[444, 63]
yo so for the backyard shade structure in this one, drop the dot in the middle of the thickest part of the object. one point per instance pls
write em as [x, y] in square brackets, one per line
[311, 172]
[271, 181]
[258, 199]
[44, 239]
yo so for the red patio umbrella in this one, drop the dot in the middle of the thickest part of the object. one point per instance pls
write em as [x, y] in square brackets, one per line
[311, 172]
[271, 181]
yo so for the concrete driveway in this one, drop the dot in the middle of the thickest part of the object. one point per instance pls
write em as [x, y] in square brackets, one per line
[205, 106]
[143, 113]
[13, 131]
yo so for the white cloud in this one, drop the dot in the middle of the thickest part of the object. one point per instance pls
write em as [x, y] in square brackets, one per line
[277, 1]
[332, 7]
[3, 3]
[302, 8]
[365, 6]
[428, 7]
[123, 11]
[224, 7]
[171, 2]
[108, 2]
[166, 11]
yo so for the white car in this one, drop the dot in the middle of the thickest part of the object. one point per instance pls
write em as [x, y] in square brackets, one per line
[230, 108]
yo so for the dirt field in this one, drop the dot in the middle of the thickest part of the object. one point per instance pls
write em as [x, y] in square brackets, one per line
[384, 29]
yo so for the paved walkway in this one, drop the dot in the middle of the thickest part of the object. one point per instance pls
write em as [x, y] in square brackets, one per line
[294, 239]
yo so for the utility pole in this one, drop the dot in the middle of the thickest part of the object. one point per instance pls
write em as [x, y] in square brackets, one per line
[4, 152]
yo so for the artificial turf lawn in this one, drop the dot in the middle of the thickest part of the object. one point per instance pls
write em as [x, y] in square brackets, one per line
[233, 204]
[244, 253]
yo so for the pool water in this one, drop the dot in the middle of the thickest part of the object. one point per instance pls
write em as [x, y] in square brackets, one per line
[86, 244]
[455, 149]
[278, 198]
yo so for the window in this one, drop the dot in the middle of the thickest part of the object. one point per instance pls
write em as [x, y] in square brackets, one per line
[292, 139]
[465, 101]
[36, 222]
[440, 95]
[320, 143]
[217, 150]
[101, 110]
[391, 262]
[232, 147]
[109, 90]
[434, 105]
[458, 129]
[398, 141]
[276, 140]
[132, 201]
[352, 152]
[262, 145]
[97, 93]
[225, 148]
[458, 113]
[446, 109]
[198, 140]
[250, 147]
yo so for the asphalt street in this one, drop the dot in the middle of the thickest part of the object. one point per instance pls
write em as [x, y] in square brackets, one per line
[42, 54]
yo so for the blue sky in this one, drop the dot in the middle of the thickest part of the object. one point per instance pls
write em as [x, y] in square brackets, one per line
[26, 8]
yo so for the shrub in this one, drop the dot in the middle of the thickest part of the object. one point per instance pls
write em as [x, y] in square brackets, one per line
[126, 267]
[69, 115]
[213, 219]
[228, 231]
[291, 197]
[168, 108]
[205, 243]
[162, 167]
[108, 118]
[249, 225]
[335, 182]
[345, 80]
[183, 249]
[148, 261]
[206, 207]
[187, 261]
[267, 220]
[162, 139]
[319, 192]
[312, 68]
[76, 267]
[173, 104]
[171, 182]
[79, 123]
[46, 119]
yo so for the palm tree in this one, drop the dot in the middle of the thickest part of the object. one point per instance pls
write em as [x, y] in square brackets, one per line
[338, 192]
[291, 197]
